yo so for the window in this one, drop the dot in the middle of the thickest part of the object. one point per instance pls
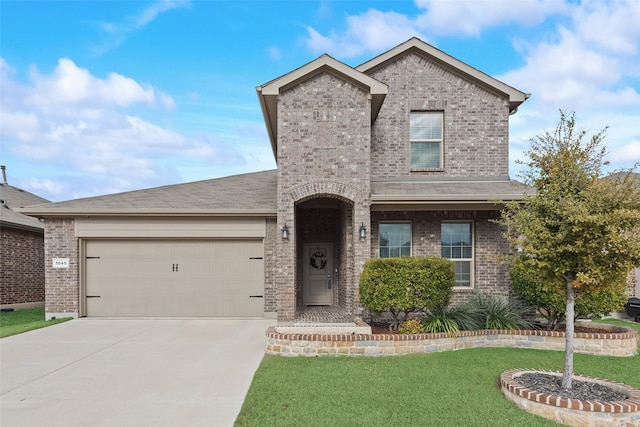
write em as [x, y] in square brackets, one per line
[395, 239]
[426, 140]
[457, 245]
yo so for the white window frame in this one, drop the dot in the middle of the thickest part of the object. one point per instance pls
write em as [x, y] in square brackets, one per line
[440, 142]
[396, 222]
[469, 260]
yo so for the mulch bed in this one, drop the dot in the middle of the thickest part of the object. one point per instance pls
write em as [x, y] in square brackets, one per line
[582, 390]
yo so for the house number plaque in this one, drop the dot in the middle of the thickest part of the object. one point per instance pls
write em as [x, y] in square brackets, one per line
[60, 262]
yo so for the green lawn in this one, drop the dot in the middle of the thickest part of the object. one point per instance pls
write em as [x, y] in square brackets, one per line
[19, 321]
[441, 389]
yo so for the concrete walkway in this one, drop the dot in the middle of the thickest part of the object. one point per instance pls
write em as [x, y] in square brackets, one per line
[104, 372]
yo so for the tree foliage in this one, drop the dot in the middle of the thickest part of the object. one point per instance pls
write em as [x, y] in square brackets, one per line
[550, 298]
[580, 229]
[404, 285]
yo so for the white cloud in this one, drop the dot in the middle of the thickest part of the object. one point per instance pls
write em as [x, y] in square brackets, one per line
[117, 32]
[471, 17]
[70, 88]
[374, 30]
[628, 153]
[46, 186]
[82, 124]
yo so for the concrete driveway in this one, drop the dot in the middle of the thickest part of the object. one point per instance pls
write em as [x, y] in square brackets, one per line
[104, 372]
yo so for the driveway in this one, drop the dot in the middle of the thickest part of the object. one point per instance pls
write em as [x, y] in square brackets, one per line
[130, 372]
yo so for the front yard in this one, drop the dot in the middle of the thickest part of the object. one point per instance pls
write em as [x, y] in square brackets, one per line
[19, 321]
[438, 389]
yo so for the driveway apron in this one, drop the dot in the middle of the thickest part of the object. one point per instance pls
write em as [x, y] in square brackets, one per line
[130, 372]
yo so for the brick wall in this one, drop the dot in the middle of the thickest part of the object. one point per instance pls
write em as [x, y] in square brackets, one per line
[21, 266]
[62, 284]
[324, 131]
[491, 276]
[476, 122]
[270, 305]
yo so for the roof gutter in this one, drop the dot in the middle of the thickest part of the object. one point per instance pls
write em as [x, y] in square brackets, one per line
[66, 213]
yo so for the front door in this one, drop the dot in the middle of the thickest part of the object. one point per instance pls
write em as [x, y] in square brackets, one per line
[318, 280]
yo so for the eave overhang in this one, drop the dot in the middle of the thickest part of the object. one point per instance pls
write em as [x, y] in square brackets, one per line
[465, 71]
[70, 213]
[269, 92]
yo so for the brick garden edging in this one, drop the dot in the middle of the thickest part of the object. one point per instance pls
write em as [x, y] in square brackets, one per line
[619, 341]
[574, 412]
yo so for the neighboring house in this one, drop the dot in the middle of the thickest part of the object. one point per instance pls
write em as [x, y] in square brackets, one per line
[406, 154]
[21, 249]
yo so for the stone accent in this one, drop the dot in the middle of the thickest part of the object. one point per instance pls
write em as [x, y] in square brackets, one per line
[21, 267]
[62, 285]
[621, 342]
[476, 121]
[574, 412]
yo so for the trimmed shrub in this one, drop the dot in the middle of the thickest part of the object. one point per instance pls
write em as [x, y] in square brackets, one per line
[404, 285]
[548, 296]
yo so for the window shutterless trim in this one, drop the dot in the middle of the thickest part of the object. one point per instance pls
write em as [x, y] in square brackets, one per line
[473, 252]
[397, 222]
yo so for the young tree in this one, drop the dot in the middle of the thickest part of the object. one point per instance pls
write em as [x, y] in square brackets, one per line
[581, 229]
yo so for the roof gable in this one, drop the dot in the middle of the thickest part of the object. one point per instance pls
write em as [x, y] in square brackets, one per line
[269, 92]
[465, 71]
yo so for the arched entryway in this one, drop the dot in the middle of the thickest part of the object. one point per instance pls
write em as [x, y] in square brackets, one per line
[324, 255]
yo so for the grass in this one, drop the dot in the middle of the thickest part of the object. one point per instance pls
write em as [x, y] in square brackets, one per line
[440, 389]
[19, 321]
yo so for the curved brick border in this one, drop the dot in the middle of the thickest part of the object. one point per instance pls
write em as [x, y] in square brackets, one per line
[618, 342]
[574, 412]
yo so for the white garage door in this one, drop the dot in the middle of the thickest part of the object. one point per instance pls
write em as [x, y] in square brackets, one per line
[174, 278]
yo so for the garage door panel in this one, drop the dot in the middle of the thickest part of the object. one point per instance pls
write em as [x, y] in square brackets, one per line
[174, 278]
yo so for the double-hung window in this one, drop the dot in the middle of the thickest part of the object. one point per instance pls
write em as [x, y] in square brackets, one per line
[457, 245]
[426, 140]
[395, 239]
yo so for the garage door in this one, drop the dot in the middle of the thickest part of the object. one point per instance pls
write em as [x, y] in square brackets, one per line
[173, 278]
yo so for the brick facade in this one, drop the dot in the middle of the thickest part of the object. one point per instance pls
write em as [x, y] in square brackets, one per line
[323, 152]
[62, 284]
[21, 266]
[476, 122]
[491, 274]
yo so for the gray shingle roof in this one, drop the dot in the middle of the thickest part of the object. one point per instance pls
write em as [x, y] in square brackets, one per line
[447, 191]
[14, 198]
[247, 194]
[254, 194]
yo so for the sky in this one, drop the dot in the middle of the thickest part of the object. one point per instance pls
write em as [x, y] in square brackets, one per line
[99, 97]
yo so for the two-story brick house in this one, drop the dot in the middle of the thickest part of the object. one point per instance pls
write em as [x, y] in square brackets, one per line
[406, 154]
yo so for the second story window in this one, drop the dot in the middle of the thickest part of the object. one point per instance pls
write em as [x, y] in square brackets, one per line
[426, 140]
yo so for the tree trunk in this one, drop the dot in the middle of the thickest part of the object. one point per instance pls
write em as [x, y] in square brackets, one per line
[567, 374]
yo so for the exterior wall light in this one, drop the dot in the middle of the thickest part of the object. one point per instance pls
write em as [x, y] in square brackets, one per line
[285, 232]
[363, 231]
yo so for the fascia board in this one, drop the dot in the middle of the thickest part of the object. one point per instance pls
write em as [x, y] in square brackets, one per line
[57, 213]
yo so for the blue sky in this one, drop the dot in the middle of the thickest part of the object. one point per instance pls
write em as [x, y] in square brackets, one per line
[98, 97]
